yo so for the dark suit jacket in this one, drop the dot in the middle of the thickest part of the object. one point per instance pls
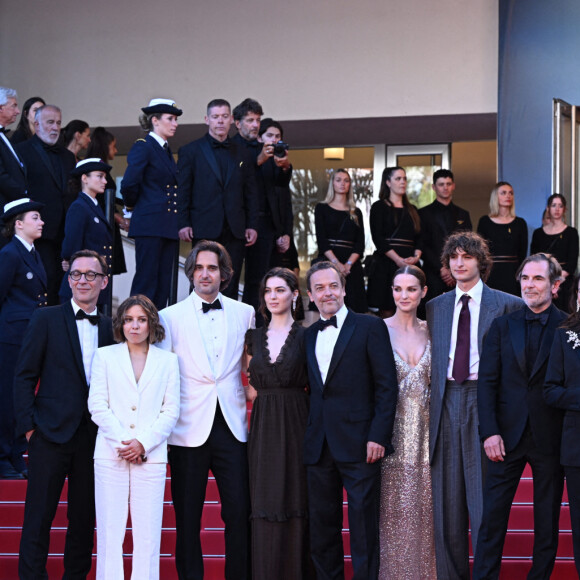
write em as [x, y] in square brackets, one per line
[12, 176]
[562, 390]
[22, 290]
[357, 402]
[46, 185]
[506, 396]
[149, 186]
[51, 353]
[440, 320]
[205, 202]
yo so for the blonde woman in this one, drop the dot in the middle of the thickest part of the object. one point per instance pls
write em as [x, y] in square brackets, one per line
[507, 236]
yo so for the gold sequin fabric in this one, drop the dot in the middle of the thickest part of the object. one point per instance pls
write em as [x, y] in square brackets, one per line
[406, 518]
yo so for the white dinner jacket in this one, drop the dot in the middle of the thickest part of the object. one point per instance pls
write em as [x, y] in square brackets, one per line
[200, 387]
[125, 410]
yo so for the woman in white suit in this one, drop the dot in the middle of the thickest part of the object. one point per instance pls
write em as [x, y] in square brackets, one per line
[134, 400]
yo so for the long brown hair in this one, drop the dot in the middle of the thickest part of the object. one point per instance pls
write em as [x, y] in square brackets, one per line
[385, 192]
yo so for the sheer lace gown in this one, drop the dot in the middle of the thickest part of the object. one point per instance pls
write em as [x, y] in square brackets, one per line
[406, 515]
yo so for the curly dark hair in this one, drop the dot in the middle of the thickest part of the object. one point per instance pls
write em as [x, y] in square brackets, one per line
[472, 244]
[224, 260]
[156, 330]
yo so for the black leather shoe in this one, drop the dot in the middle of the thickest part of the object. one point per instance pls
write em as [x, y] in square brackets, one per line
[20, 465]
[7, 471]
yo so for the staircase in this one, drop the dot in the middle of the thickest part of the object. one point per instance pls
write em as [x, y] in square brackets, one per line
[516, 563]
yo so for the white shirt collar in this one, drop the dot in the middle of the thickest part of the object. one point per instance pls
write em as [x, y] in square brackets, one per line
[475, 293]
[76, 307]
[24, 243]
[157, 138]
[91, 198]
[340, 316]
[198, 300]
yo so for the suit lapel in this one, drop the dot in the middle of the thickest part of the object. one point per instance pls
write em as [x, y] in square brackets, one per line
[13, 155]
[488, 311]
[195, 340]
[517, 330]
[310, 339]
[206, 148]
[343, 339]
[162, 154]
[95, 209]
[73, 333]
[445, 327]
[232, 160]
[37, 144]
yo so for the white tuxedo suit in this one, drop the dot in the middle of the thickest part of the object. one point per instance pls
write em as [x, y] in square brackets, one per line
[201, 387]
[125, 410]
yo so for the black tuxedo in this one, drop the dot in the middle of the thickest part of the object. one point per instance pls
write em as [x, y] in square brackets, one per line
[218, 207]
[63, 441]
[355, 405]
[48, 174]
[12, 175]
[562, 390]
[510, 404]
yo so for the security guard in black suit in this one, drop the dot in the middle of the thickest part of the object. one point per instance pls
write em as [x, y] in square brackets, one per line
[86, 227]
[22, 291]
[149, 190]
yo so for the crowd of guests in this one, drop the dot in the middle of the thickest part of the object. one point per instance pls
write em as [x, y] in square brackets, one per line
[427, 424]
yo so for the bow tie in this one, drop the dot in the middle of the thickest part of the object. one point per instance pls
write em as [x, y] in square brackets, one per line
[4, 130]
[220, 144]
[52, 148]
[215, 305]
[541, 317]
[322, 324]
[254, 143]
[92, 318]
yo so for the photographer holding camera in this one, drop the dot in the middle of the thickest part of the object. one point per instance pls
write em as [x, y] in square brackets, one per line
[264, 142]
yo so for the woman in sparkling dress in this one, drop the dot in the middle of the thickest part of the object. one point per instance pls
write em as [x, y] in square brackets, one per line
[406, 515]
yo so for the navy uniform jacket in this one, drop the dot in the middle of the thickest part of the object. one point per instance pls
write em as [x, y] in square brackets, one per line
[86, 228]
[149, 186]
[206, 201]
[48, 183]
[22, 290]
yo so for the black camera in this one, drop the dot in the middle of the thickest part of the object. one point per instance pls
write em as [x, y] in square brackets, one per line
[280, 149]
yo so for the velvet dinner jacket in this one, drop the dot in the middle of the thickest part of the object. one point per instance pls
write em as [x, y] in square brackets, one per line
[201, 388]
[206, 201]
[356, 404]
[22, 290]
[149, 186]
[124, 409]
[51, 353]
[506, 397]
[440, 321]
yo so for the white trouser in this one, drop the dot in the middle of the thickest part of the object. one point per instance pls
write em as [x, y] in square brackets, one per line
[119, 484]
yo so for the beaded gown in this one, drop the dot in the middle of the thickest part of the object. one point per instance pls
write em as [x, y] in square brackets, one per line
[280, 542]
[407, 546]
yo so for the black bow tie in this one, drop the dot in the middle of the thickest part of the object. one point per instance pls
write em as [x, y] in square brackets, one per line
[92, 318]
[4, 130]
[215, 305]
[254, 143]
[541, 317]
[52, 148]
[220, 144]
[322, 324]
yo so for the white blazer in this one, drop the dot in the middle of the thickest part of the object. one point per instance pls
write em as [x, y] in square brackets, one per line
[200, 387]
[126, 410]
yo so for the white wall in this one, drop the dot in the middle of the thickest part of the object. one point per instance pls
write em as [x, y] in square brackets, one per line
[302, 59]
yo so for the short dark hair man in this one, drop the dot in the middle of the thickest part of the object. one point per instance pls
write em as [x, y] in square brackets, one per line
[440, 219]
[57, 354]
[12, 170]
[206, 331]
[458, 322]
[48, 167]
[516, 425]
[217, 197]
[273, 176]
[354, 389]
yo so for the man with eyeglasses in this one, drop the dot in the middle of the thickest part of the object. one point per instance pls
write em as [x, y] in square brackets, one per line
[56, 355]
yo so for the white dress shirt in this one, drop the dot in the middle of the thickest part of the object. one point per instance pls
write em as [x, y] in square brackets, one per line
[326, 341]
[91, 198]
[28, 246]
[212, 329]
[89, 339]
[474, 307]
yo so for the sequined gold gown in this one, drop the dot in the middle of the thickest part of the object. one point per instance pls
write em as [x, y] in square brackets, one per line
[406, 516]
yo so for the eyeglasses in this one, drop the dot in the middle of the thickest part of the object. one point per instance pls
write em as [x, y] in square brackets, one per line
[90, 276]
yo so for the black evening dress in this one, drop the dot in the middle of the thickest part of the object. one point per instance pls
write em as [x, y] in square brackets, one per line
[336, 230]
[508, 244]
[564, 247]
[392, 228]
[280, 544]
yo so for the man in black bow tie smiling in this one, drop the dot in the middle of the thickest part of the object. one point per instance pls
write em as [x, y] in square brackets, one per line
[353, 385]
[57, 354]
[515, 424]
[206, 331]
